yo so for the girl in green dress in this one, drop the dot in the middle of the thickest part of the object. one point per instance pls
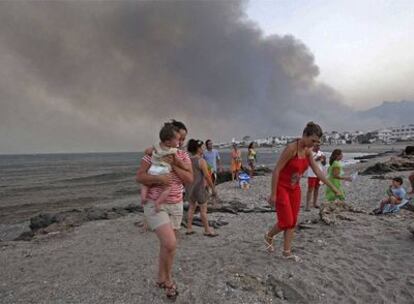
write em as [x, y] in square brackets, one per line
[335, 175]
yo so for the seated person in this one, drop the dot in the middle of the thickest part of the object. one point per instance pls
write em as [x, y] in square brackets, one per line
[396, 198]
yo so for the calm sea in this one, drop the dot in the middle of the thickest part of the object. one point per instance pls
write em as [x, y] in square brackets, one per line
[30, 184]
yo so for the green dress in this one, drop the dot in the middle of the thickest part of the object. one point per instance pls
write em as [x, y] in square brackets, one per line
[330, 195]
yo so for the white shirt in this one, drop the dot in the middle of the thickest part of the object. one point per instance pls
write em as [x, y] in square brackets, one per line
[315, 155]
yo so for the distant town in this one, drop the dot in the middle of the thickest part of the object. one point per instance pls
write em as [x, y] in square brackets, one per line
[380, 136]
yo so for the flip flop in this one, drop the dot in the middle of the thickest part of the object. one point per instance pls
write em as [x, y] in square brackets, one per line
[190, 232]
[210, 234]
[291, 256]
[269, 245]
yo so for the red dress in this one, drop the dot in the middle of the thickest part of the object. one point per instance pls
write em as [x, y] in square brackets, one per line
[288, 192]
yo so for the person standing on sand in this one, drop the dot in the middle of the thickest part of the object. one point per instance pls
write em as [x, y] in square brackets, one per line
[196, 191]
[411, 179]
[236, 162]
[213, 160]
[286, 194]
[167, 221]
[251, 159]
[313, 181]
[335, 175]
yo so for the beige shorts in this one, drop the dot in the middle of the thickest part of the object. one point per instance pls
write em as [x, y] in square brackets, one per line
[169, 213]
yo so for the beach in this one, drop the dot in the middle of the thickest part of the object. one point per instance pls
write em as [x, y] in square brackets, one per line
[360, 259]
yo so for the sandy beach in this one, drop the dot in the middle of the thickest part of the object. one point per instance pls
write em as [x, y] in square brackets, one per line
[360, 259]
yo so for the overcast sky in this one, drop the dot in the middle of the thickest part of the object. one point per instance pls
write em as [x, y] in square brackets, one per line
[364, 48]
[103, 76]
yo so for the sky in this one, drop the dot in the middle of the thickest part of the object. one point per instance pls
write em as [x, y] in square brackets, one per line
[364, 49]
[88, 76]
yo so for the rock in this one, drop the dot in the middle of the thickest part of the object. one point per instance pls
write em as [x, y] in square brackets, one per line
[304, 226]
[411, 228]
[94, 214]
[280, 295]
[409, 150]
[41, 221]
[378, 168]
[134, 208]
[15, 232]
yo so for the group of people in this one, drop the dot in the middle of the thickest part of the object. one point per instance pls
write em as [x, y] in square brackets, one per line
[237, 164]
[166, 170]
[335, 174]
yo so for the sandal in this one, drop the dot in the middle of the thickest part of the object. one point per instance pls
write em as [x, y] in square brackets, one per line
[171, 291]
[287, 255]
[189, 232]
[211, 234]
[268, 244]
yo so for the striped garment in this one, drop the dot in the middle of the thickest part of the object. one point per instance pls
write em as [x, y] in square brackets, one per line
[177, 188]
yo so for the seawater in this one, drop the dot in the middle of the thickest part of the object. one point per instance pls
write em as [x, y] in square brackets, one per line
[48, 182]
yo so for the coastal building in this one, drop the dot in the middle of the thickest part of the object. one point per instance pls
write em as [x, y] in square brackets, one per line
[403, 132]
[384, 135]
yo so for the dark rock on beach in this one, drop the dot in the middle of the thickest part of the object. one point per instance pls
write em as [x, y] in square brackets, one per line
[41, 221]
[394, 164]
[409, 150]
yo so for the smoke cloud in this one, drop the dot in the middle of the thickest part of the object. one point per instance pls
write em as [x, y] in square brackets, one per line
[104, 76]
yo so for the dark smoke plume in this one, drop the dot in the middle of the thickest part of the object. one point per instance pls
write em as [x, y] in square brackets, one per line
[89, 75]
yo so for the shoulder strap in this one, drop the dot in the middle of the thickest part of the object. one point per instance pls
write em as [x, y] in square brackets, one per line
[297, 147]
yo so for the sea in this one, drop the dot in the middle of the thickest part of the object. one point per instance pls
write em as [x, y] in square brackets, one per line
[34, 183]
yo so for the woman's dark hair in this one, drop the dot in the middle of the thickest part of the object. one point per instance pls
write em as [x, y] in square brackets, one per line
[179, 125]
[312, 129]
[193, 145]
[334, 156]
[398, 180]
[168, 131]
[251, 145]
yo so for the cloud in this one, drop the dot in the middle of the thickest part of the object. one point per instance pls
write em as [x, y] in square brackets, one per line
[103, 76]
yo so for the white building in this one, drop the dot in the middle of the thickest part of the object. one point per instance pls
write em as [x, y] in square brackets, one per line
[403, 132]
[385, 135]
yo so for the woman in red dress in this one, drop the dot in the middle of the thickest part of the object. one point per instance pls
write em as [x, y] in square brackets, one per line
[286, 193]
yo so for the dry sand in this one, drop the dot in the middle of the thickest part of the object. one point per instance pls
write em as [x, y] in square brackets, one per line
[367, 260]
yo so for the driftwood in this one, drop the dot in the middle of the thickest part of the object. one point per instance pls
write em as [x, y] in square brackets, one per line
[329, 212]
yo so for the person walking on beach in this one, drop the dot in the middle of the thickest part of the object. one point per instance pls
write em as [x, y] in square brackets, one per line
[335, 176]
[213, 160]
[167, 146]
[313, 180]
[168, 220]
[196, 191]
[251, 158]
[285, 187]
[236, 162]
